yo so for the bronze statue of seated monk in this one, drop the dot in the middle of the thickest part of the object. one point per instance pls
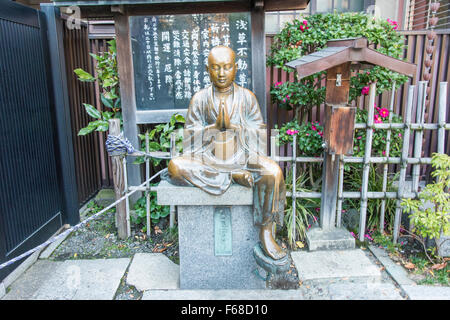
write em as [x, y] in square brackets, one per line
[224, 139]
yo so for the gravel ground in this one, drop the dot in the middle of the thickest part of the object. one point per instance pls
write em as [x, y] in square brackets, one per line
[98, 239]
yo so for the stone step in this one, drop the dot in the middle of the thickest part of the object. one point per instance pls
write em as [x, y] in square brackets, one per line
[335, 264]
[70, 280]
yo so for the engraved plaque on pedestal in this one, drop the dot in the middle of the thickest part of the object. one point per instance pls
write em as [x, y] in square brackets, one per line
[222, 231]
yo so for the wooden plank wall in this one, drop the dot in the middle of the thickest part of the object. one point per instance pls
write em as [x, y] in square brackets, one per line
[91, 162]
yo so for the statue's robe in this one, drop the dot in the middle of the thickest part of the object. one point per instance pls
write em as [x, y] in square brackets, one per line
[198, 165]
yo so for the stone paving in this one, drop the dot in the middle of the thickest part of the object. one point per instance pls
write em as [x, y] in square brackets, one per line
[332, 275]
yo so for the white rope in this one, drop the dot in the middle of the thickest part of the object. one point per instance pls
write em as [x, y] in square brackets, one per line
[68, 231]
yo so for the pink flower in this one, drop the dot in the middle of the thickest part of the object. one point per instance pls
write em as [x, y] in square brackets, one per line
[291, 132]
[384, 153]
[393, 23]
[314, 127]
[305, 22]
[320, 133]
[278, 84]
[284, 100]
[365, 90]
[384, 113]
[307, 134]
[288, 97]
[377, 119]
[399, 135]
[378, 108]
[358, 138]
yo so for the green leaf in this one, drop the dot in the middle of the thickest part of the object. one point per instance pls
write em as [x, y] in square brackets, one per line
[96, 57]
[117, 103]
[102, 125]
[94, 113]
[107, 102]
[84, 131]
[180, 118]
[83, 75]
[107, 115]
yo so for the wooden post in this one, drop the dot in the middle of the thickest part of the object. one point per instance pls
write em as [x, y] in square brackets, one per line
[119, 183]
[330, 179]
[127, 94]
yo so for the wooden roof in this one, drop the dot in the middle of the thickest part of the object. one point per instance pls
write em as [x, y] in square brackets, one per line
[267, 5]
[348, 50]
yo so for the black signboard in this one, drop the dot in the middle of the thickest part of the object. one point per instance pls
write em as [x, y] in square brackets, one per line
[170, 53]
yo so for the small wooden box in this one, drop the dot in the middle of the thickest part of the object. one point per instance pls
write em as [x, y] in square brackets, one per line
[339, 128]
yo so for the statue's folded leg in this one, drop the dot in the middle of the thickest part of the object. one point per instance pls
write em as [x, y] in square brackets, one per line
[190, 171]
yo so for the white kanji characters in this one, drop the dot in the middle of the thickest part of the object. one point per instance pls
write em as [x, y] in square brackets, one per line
[241, 38]
[165, 36]
[241, 24]
[168, 68]
[242, 80]
[166, 47]
[242, 64]
[242, 51]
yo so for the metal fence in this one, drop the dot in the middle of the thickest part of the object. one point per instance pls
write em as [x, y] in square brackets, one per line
[412, 132]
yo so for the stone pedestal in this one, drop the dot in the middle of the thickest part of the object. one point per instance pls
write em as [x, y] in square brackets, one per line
[216, 237]
[329, 239]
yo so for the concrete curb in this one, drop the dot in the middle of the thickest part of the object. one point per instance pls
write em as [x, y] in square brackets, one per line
[408, 286]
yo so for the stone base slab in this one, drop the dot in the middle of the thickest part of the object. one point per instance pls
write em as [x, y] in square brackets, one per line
[334, 239]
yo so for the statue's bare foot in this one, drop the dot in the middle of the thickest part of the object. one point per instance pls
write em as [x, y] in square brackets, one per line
[244, 178]
[271, 248]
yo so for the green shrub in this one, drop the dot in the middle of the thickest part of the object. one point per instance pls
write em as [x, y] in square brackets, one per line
[432, 221]
[108, 80]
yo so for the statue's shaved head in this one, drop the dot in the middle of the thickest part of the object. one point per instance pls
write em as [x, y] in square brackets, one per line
[221, 52]
[222, 66]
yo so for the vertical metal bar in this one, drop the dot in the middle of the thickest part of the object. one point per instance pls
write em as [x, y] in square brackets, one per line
[273, 144]
[386, 165]
[173, 152]
[418, 134]
[147, 177]
[340, 191]
[366, 168]
[442, 116]
[404, 164]
[127, 199]
[294, 186]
